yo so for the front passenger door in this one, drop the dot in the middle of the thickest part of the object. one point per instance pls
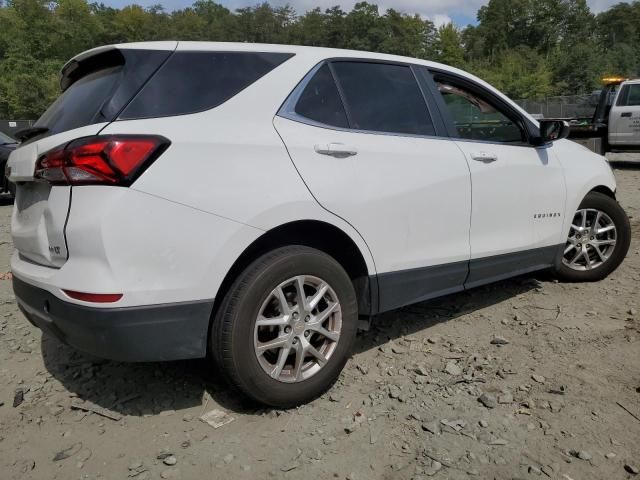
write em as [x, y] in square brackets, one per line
[518, 191]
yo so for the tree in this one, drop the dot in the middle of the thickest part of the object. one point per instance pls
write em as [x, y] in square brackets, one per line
[448, 46]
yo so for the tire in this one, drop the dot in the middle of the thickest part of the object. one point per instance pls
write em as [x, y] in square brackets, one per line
[596, 202]
[236, 335]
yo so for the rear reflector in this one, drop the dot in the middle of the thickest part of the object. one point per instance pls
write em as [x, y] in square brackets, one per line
[100, 160]
[94, 297]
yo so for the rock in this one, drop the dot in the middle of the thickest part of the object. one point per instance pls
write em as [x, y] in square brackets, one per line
[170, 460]
[483, 423]
[452, 368]
[581, 454]
[505, 398]
[18, 397]
[290, 466]
[422, 371]
[488, 401]
[228, 458]
[435, 468]
[499, 442]
[56, 410]
[1, 403]
[431, 427]
[84, 455]
[497, 340]
[632, 469]
[68, 452]
[166, 474]
[217, 418]
[610, 455]
[538, 378]
[394, 392]
[534, 470]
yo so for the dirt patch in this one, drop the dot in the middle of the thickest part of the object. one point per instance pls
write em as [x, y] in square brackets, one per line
[525, 378]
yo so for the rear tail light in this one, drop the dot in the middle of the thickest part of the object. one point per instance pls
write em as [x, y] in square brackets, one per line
[100, 160]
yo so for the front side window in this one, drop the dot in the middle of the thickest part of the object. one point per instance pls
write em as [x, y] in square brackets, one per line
[477, 119]
[383, 98]
[629, 96]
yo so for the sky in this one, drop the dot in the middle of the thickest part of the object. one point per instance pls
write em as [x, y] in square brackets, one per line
[461, 12]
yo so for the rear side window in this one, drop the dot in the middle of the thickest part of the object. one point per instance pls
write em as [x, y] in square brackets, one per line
[191, 82]
[629, 96]
[320, 100]
[383, 98]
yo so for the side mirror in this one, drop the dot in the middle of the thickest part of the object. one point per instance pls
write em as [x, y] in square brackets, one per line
[552, 130]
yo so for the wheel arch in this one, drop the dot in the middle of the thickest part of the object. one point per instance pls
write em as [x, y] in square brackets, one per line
[604, 190]
[315, 234]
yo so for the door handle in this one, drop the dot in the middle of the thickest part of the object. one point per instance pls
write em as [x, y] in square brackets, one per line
[626, 115]
[337, 150]
[484, 157]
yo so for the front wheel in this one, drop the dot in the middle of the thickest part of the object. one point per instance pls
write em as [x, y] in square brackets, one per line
[286, 327]
[598, 241]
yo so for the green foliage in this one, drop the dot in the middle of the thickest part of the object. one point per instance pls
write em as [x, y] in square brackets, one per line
[528, 48]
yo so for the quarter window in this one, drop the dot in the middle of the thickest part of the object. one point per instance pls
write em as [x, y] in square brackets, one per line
[191, 82]
[383, 98]
[320, 100]
[476, 118]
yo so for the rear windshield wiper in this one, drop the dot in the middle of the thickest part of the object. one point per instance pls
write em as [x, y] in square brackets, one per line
[27, 133]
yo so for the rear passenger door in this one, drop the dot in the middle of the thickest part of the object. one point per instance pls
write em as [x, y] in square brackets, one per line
[366, 144]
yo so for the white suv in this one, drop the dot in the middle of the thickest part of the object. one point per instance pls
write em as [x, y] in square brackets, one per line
[259, 202]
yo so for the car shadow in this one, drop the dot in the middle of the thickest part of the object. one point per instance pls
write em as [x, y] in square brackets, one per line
[139, 389]
[625, 164]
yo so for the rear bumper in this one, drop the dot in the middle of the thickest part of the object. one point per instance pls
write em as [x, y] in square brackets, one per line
[151, 333]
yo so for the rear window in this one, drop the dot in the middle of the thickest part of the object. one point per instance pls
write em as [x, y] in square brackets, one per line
[191, 82]
[98, 88]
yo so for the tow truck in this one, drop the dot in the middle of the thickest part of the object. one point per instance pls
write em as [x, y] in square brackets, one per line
[615, 125]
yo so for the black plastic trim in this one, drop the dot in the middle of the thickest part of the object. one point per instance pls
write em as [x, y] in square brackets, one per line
[150, 333]
[499, 267]
[406, 287]
[398, 289]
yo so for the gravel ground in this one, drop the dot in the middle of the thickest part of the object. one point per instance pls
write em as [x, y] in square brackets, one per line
[523, 379]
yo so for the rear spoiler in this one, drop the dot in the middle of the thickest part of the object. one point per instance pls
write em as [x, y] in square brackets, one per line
[107, 55]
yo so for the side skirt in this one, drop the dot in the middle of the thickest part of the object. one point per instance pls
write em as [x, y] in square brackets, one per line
[406, 287]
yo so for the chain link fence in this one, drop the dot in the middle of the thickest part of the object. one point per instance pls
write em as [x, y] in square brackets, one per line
[10, 127]
[570, 106]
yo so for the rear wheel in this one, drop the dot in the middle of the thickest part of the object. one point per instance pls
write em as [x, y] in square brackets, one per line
[598, 240]
[286, 327]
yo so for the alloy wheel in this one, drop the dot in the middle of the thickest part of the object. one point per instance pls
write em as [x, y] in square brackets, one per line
[297, 329]
[592, 240]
